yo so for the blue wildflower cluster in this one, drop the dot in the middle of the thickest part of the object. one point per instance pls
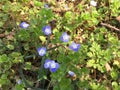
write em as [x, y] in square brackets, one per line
[65, 38]
[51, 64]
[47, 31]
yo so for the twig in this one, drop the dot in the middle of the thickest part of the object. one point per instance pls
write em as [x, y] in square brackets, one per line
[110, 26]
[53, 47]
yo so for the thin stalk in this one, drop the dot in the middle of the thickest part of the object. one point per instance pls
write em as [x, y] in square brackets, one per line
[54, 47]
[42, 71]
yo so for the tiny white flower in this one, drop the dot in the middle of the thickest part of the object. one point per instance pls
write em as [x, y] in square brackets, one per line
[93, 3]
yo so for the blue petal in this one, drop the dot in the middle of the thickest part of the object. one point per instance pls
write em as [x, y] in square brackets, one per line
[57, 65]
[46, 6]
[53, 69]
[47, 63]
[71, 73]
[24, 25]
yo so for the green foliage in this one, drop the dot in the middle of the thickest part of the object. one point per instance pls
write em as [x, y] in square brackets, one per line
[96, 65]
[114, 6]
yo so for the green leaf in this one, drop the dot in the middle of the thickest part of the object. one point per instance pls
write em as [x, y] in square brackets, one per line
[83, 84]
[4, 80]
[16, 57]
[1, 23]
[68, 15]
[26, 46]
[107, 54]
[56, 87]
[19, 87]
[4, 58]
[114, 74]
[23, 35]
[65, 84]
[90, 54]
[115, 85]
[37, 3]
[28, 66]
[11, 47]
[95, 86]
[90, 62]
[84, 70]
[42, 38]
[46, 15]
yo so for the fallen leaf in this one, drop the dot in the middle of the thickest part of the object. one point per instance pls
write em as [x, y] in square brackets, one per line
[107, 66]
[118, 18]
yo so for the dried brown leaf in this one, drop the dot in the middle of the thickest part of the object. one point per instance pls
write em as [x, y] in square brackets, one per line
[107, 66]
[118, 18]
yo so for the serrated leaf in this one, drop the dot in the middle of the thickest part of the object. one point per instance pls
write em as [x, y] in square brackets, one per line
[4, 58]
[11, 47]
[90, 54]
[56, 87]
[114, 74]
[28, 66]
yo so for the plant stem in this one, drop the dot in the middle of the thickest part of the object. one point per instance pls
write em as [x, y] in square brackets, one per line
[24, 80]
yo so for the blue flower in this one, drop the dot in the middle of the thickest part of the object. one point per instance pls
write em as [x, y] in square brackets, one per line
[24, 25]
[47, 30]
[71, 73]
[42, 51]
[75, 47]
[19, 81]
[65, 37]
[46, 6]
[47, 63]
[53, 66]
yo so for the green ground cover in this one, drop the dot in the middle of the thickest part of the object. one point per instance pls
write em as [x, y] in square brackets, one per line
[59, 44]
